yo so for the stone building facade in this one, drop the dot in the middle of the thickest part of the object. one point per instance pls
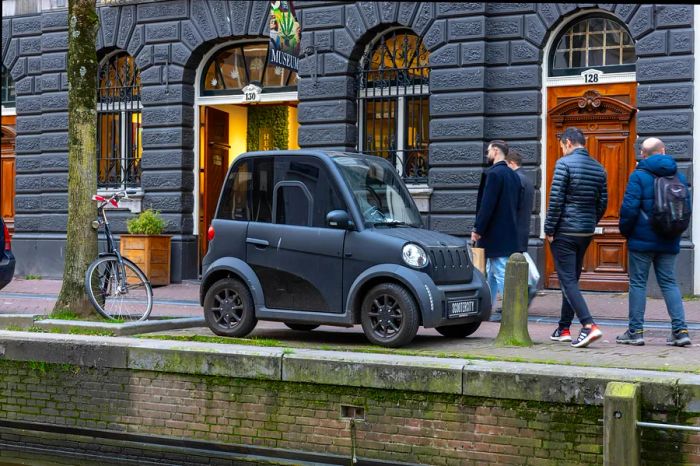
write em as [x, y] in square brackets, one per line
[490, 77]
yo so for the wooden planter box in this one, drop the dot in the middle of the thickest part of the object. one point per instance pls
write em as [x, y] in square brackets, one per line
[150, 253]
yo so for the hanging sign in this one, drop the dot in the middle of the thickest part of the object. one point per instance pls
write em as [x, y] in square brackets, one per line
[285, 35]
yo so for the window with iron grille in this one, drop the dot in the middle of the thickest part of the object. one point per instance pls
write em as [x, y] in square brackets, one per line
[394, 103]
[8, 89]
[593, 42]
[119, 147]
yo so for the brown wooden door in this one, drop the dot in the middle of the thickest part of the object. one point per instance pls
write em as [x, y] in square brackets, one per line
[605, 114]
[216, 151]
[7, 178]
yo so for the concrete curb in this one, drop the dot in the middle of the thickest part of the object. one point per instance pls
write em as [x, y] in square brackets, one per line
[493, 379]
[17, 320]
[128, 328]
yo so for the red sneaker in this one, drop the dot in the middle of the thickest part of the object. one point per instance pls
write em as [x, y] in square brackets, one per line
[561, 334]
[587, 336]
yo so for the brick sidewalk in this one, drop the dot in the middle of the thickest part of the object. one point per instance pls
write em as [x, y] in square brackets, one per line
[182, 299]
[38, 296]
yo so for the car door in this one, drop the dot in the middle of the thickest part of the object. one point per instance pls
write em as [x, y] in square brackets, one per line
[296, 257]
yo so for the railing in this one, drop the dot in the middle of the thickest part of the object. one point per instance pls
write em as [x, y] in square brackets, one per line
[393, 103]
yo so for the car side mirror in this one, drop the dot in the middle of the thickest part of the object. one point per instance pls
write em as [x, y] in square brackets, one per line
[338, 219]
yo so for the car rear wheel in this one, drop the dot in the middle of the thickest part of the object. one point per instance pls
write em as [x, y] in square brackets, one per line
[458, 331]
[389, 315]
[301, 327]
[229, 309]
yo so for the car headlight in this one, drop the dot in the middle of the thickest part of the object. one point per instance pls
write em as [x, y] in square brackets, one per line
[471, 255]
[415, 256]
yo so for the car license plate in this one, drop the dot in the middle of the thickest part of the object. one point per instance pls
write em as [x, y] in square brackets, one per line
[463, 308]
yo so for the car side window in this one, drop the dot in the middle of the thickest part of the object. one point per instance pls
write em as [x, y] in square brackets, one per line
[316, 178]
[262, 190]
[292, 204]
[235, 203]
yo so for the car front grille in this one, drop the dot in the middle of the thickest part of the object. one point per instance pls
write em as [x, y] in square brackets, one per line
[450, 265]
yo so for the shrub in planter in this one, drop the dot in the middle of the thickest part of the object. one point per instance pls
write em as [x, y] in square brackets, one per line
[147, 246]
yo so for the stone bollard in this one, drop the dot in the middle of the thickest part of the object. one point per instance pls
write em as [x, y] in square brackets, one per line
[621, 411]
[513, 330]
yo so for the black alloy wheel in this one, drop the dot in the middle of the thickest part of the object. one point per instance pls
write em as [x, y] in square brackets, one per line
[389, 315]
[229, 309]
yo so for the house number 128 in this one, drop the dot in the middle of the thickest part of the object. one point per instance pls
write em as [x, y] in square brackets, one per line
[590, 78]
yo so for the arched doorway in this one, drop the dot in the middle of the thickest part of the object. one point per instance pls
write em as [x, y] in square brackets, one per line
[243, 102]
[591, 86]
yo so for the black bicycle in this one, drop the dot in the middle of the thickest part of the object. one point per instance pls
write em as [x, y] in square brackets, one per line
[116, 287]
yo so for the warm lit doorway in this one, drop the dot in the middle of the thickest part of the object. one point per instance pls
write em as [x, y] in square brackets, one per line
[243, 103]
[228, 130]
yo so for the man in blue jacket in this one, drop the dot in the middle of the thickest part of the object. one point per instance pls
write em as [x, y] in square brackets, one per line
[646, 246]
[496, 224]
[577, 202]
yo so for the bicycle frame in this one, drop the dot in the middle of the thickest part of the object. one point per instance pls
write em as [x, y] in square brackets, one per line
[111, 247]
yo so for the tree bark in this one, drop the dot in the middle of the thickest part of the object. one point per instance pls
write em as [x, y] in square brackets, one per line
[81, 238]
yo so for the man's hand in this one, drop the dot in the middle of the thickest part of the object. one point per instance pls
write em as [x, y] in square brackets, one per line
[475, 236]
[550, 238]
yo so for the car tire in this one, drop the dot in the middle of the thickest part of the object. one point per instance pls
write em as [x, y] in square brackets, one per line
[458, 331]
[301, 327]
[389, 315]
[229, 309]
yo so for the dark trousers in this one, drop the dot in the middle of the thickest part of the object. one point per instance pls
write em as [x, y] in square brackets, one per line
[568, 252]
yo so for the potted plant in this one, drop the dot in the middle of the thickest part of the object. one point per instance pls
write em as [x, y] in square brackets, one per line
[147, 246]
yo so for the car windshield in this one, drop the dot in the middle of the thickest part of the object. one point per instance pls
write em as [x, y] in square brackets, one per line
[378, 191]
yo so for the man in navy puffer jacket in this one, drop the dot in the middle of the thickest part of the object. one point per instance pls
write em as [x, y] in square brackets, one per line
[577, 202]
[646, 247]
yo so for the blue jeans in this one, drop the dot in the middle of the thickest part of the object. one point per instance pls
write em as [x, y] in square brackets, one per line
[495, 275]
[664, 267]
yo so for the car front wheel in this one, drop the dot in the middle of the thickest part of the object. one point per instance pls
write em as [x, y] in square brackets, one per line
[389, 315]
[229, 309]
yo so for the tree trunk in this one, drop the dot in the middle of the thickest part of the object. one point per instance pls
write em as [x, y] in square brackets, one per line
[81, 238]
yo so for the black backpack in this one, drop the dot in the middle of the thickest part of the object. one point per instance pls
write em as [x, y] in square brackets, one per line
[670, 215]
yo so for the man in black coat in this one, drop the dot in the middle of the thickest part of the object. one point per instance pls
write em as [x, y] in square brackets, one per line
[527, 198]
[496, 215]
[577, 201]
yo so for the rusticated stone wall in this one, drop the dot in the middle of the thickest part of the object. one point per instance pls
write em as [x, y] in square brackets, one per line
[486, 70]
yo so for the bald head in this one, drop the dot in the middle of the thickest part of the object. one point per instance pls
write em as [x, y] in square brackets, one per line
[652, 146]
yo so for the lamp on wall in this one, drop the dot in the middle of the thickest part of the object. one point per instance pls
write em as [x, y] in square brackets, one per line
[312, 49]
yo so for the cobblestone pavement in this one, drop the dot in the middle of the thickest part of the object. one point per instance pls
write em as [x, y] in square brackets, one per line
[38, 296]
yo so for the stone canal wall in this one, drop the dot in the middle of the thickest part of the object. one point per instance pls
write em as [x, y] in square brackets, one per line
[403, 408]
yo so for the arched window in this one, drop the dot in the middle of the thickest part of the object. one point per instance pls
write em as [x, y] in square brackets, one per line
[119, 147]
[593, 42]
[393, 102]
[232, 68]
[8, 89]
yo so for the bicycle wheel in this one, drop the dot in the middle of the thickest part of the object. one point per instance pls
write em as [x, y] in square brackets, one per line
[124, 296]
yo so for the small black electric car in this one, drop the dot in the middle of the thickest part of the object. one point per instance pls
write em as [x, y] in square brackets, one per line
[318, 237]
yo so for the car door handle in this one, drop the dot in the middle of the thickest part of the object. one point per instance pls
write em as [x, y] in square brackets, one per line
[260, 243]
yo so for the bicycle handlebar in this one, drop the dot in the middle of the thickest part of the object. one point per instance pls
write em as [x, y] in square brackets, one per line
[114, 199]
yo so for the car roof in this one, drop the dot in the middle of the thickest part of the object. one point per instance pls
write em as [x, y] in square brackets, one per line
[309, 152]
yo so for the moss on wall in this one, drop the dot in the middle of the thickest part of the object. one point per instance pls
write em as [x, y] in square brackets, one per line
[272, 118]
